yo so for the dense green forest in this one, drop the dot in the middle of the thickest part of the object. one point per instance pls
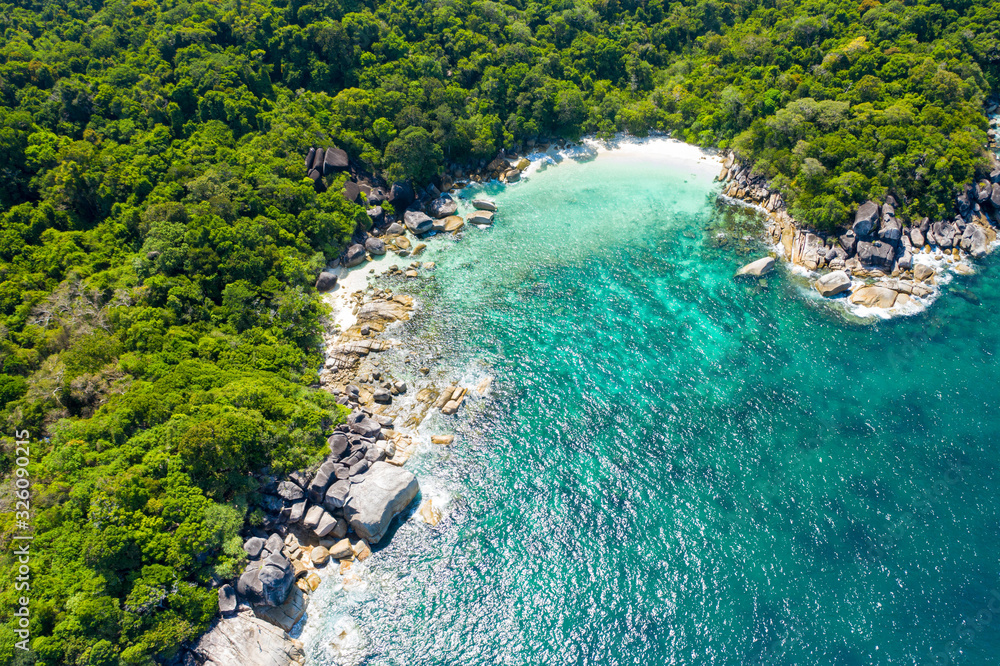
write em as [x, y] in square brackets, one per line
[158, 239]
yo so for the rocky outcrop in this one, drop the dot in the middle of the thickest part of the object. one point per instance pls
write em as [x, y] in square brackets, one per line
[269, 584]
[758, 268]
[879, 246]
[383, 492]
[245, 640]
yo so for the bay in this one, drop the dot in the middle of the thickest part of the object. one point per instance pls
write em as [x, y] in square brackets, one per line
[676, 467]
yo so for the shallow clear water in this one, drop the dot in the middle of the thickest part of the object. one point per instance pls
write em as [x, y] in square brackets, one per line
[674, 467]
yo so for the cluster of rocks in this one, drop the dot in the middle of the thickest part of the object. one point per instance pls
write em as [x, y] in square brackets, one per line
[420, 212]
[332, 512]
[878, 245]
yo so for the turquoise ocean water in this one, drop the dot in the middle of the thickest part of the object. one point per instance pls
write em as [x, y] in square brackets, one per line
[673, 467]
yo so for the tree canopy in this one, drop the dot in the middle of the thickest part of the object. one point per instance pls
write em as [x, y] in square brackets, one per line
[158, 239]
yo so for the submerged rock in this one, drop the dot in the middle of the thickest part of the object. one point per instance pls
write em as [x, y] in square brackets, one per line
[758, 268]
[480, 217]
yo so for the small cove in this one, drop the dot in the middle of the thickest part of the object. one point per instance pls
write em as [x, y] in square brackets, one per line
[674, 467]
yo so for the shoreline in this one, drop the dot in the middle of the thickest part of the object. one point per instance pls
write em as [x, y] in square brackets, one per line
[882, 267]
[365, 320]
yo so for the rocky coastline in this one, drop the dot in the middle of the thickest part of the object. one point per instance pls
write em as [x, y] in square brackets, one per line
[881, 265]
[328, 517]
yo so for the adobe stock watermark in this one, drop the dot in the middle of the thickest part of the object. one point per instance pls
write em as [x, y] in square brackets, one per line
[22, 540]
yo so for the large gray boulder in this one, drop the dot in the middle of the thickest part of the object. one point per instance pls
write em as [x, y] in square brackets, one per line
[317, 163]
[313, 517]
[376, 196]
[944, 234]
[395, 229]
[355, 255]
[337, 494]
[443, 206]
[833, 283]
[351, 191]
[269, 584]
[484, 204]
[338, 444]
[326, 524]
[326, 281]
[227, 600]
[276, 578]
[963, 203]
[417, 222]
[245, 640]
[375, 246]
[310, 156]
[297, 511]
[865, 219]
[273, 544]
[983, 191]
[891, 230]
[376, 215]
[995, 195]
[757, 268]
[317, 487]
[253, 546]
[904, 262]
[849, 242]
[917, 237]
[383, 492]
[290, 492]
[363, 425]
[974, 240]
[335, 159]
[876, 253]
